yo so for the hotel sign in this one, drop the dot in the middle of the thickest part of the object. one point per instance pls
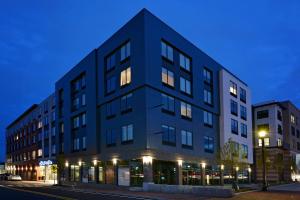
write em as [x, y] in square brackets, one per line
[46, 163]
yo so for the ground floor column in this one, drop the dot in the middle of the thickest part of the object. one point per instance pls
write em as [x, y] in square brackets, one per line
[116, 168]
[179, 172]
[203, 165]
[147, 169]
[222, 175]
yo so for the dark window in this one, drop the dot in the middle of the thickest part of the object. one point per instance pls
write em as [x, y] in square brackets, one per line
[234, 126]
[110, 62]
[279, 115]
[207, 118]
[168, 135]
[243, 130]
[298, 133]
[186, 138]
[293, 131]
[233, 107]
[298, 146]
[207, 76]
[185, 85]
[244, 151]
[111, 137]
[126, 103]
[243, 95]
[168, 103]
[184, 62]
[208, 144]
[111, 109]
[243, 112]
[279, 129]
[127, 133]
[262, 114]
[111, 84]
[207, 97]
[166, 51]
[125, 51]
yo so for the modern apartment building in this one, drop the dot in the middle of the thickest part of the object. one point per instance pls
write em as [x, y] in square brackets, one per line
[31, 142]
[146, 106]
[279, 120]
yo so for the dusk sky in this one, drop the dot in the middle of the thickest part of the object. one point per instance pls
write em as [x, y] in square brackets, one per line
[41, 40]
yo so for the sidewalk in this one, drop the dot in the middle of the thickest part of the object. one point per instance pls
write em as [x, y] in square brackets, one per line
[126, 191]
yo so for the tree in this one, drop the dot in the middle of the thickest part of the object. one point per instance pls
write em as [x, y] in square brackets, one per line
[60, 167]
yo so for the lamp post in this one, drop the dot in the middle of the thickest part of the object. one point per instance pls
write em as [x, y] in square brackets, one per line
[262, 134]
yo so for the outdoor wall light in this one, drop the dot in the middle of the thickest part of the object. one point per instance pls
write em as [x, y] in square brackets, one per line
[249, 169]
[147, 160]
[95, 162]
[67, 164]
[79, 163]
[114, 160]
[262, 134]
[237, 169]
[26, 168]
[203, 165]
[179, 163]
[30, 168]
[222, 167]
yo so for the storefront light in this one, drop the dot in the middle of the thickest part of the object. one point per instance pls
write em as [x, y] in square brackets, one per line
[222, 167]
[179, 163]
[30, 168]
[147, 160]
[203, 165]
[114, 160]
[67, 164]
[237, 168]
[95, 162]
[79, 163]
[22, 169]
[249, 169]
[26, 168]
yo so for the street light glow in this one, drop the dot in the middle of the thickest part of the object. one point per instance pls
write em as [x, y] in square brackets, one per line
[262, 133]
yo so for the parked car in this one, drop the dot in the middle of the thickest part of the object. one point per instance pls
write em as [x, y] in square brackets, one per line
[4, 176]
[14, 178]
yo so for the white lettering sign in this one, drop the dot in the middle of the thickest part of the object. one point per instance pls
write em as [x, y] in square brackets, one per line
[45, 163]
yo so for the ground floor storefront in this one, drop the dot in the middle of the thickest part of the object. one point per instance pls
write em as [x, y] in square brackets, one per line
[136, 172]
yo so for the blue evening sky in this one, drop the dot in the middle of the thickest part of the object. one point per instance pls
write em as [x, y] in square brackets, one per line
[41, 40]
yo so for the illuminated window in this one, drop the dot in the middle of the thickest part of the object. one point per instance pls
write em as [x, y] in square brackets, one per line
[167, 77]
[40, 152]
[125, 77]
[267, 142]
[186, 110]
[292, 118]
[233, 89]
[279, 142]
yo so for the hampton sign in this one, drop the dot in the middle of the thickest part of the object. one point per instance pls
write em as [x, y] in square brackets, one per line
[45, 163]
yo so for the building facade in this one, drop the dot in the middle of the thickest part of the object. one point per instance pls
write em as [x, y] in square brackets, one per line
[279, 120]
[144, 107]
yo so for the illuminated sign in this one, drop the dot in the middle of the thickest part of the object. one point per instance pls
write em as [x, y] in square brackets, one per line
[45, 163]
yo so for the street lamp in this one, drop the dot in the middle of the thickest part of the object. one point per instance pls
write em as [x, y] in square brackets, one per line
[262, 135]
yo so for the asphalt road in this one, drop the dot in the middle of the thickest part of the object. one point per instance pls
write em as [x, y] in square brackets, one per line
[13, 190]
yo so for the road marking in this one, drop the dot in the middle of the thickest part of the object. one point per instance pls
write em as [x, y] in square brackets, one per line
[40, 193]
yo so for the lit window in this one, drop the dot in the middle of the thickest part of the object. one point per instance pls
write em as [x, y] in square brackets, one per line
[292, 118]
[186, 110]
[125, 76]
[279, 142]
[40, 152]
[233, 88]
[125, 51]
[167, 51]
[185, 85]
[127, 133]
[167, 77]
[184, 62]
[267, 142]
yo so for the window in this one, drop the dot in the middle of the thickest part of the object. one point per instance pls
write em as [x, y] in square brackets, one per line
[233, 89]
[83, 118]
[111, 109]
[298, 146]
[279, 142]
[264, 127]
[168, 103]
[53, 131]
[46, 121]
[53, 116]
[111, 84]
[125, 77]
[110, 62]
[293, 118]
[186, 138]
[40, 152]
[208, 144]
[207, 97]
[293, 131]
[185, 85]
[126, 103]
[168, 135]
[243, 95]
[266, 141]
[127, 133]
[207, 118]
[34, 155]
[186, 110]
[234, 126]
[233, 107]
[84, 142]
[279, 129]
[75, 103]
[207, 76]
[53, 149]
[244, 151]
[262, 114]
[76, 122]
[83, 100]
[76, 144]
[243, 112]
[184, 62]
[279, 115]
[298, 133]
[167, 77]
[111, 137]
[167, 51]
[243, 130]
[61, 128]
[125, 51]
